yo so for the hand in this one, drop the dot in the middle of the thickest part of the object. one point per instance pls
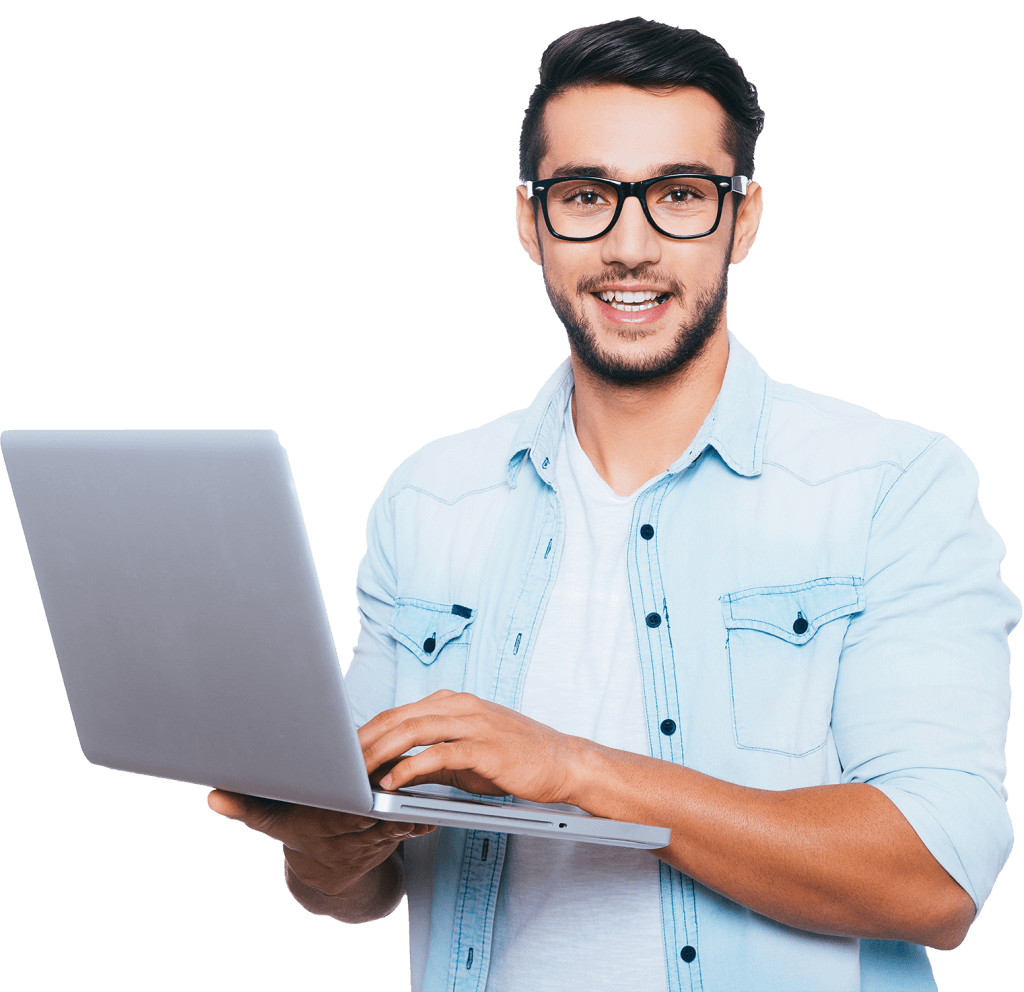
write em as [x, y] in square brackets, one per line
[474, 745]
[328, 851]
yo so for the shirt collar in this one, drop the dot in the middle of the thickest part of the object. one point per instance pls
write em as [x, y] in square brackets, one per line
[735, 427]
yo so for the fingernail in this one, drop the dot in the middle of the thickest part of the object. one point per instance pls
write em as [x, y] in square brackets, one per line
[386, 781]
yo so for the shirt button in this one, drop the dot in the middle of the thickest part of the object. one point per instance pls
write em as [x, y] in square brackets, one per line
[668, 727]
[653, 619]
[799, 626]
[428, 645]
[647, 532]
[688, 953]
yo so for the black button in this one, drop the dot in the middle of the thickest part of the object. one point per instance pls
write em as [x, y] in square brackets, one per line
[546, 463]
[428, 645]
[668, 727]
[688, 953]
[653, 619]
[799, 626]
[647, 532]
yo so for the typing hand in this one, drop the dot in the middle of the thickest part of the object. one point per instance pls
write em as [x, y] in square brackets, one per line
[474, 745]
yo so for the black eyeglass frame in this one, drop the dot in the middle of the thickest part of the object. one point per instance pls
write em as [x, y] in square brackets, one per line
[538, 189]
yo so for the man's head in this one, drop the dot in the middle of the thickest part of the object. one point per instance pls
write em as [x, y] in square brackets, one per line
[628, 101]
[646, 55]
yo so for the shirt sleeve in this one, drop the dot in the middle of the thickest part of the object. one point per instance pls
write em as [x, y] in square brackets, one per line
[370, 680]
[923, 695]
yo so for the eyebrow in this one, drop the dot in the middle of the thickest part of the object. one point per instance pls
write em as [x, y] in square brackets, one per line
[599, 172]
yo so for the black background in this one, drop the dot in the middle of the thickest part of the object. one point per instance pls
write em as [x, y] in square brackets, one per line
[218, 245]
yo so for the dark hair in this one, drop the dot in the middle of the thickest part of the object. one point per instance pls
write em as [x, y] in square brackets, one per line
[651, 56]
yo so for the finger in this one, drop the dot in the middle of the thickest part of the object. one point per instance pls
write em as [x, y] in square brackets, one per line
[286, 821]
[382, 769]
[403, 831]
[456, 756]
[414, 731]
[442, 701]
[397, 828]
[419, 829]
[401, 775]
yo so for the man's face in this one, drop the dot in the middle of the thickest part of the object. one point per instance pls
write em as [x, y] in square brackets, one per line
[628, 134]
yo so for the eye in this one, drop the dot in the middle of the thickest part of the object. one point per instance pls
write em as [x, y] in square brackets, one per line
[682, 194]
[584, 196]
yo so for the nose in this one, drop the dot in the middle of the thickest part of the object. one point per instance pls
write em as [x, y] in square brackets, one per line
[632, 241]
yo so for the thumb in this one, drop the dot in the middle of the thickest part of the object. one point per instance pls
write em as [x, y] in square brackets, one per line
[258, 814]
[229, 804]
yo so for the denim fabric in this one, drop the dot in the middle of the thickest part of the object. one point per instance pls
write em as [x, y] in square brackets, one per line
[831, 611]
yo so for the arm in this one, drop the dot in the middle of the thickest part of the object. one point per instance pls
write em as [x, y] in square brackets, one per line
[837, 859]
[833, 859]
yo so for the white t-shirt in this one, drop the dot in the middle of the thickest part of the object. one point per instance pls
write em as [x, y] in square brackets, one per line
[583, 916]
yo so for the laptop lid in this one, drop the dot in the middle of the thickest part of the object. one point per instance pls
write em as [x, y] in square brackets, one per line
[188, 622]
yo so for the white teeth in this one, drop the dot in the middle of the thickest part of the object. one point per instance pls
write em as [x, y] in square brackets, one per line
[623, 300]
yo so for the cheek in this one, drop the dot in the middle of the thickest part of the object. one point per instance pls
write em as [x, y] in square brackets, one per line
[699, 267]
[565, 264]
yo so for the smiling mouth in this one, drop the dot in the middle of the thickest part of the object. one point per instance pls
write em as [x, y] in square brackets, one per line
[632, 302]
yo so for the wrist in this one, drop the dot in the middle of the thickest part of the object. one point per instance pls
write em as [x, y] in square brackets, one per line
[589, 764]
[368, 897]
[622, 785]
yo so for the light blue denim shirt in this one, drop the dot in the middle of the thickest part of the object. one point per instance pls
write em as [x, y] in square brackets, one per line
[831, 611]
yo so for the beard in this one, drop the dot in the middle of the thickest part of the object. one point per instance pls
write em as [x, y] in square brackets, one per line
[691, 338]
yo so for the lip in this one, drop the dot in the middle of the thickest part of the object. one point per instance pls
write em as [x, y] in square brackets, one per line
[616, 287]
[631, 317]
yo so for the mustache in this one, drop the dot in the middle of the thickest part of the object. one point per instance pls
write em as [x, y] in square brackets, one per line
[645, 273]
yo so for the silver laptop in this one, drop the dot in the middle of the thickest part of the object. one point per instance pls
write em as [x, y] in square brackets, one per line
[187, 619]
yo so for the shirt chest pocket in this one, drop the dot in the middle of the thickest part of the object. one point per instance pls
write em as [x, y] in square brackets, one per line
[437, 636]
[784, 644]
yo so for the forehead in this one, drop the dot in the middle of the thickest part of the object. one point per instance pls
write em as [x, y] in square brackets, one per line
[631, 133]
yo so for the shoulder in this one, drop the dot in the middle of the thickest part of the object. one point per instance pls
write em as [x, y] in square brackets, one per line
[817, 437]
[461, 464]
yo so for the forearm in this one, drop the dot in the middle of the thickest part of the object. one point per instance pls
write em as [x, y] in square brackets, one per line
[835, 859]
[372, 897]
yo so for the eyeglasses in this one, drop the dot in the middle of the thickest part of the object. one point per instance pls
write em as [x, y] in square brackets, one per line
[584, 208]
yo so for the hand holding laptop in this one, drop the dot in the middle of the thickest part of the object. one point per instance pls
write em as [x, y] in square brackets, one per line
[473, 745]
[339, 856]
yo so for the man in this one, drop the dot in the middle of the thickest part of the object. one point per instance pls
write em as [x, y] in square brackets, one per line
[690, 597]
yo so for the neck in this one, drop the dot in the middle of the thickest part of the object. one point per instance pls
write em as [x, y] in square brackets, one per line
[633, 433]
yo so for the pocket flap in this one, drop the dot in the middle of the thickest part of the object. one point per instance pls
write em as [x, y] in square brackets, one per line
[794, 613]
[424, 627]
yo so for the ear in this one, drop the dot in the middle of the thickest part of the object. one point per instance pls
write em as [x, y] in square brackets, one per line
[748, 218]
[527, 221]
